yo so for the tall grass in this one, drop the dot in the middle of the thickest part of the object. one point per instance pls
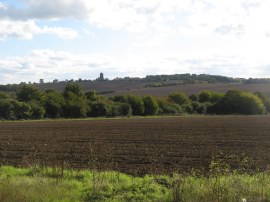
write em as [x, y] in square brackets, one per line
[52, 184]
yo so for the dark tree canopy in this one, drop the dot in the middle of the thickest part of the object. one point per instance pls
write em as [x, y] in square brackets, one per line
[179, 98]
[239, 102]
[27, 93]
[31, 103]
[150, 105]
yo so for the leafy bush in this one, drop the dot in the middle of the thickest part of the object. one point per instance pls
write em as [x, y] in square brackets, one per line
[239, 102]
[150, 105]
[179, 98]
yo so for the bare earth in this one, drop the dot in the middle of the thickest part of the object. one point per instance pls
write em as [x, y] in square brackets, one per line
[137, 146]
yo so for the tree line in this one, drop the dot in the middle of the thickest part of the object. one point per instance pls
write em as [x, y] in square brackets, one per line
[28, 102]
[154, 80]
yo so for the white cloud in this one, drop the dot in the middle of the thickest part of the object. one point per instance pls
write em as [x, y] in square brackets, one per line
[227, 17]
[61, 32]
[49, 64]
[20, 29]
[230, 37]
[27, 29]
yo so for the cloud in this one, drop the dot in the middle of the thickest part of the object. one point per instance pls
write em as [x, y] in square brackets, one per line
[49, 65]
[43, 9]
[206, 17]
[20, 29]
[27, 29]
[132, 15]
[60, 32]
[230, 37]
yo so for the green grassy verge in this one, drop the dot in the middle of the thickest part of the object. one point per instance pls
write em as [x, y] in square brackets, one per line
[55, 184]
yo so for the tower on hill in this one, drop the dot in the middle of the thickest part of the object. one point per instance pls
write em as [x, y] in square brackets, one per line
[101, 76]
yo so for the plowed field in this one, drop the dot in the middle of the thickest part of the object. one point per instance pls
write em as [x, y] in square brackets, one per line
[136, 146]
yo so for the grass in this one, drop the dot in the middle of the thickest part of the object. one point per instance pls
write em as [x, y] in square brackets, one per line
[125, 118]
[55, 184]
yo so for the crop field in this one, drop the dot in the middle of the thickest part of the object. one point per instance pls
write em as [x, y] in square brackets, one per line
[137, 145]
[138, 88]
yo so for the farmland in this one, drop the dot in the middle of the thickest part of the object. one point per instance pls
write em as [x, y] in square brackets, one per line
[138, 87]
[137, 145]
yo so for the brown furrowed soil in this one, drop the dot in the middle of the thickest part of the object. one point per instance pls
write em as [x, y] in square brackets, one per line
[137, 146]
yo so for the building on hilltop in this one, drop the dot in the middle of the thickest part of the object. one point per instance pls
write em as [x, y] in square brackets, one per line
[101, 76]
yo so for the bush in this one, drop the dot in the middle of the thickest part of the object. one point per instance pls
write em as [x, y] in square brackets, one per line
[179, 98]
[37, 110]
[208, 96]
[125, 109]
[136, 103]
[6, 110]
[100, 109]
[150, 105]
[238, 102]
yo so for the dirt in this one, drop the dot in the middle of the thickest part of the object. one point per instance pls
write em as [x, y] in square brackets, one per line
[137, 146]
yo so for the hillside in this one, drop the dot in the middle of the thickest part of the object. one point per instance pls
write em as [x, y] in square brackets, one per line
[158, 85]
[110, 88]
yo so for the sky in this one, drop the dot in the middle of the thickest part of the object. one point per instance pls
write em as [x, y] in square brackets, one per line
[71, 39]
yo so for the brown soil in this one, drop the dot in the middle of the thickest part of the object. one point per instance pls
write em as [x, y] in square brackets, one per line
[136, 146]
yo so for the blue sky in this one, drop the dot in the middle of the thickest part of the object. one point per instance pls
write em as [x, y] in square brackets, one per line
[71, 39]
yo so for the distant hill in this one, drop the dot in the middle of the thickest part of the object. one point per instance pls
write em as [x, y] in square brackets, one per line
[159, 85]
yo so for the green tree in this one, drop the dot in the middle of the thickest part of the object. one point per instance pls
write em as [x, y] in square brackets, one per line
[76, 103]
[6, 110]
[125, 109]
[179, 98]
[150, 105]
[100, 109]
[37, 110]
[53, 103]
[28, 93]
[91, 95]
[4, 95]
[208, 96]
[74, 89]
[120, 98]
[137, 104]
[239, 102]
[265, 100]
[22, 110]
[166, 107]
[193, 98]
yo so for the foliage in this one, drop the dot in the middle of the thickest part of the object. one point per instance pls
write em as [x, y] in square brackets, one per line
[76, 104]
[31, 103]
[239, 102]
[165, 107]
[53, 103]
[136, 103]
[74, 89]
[120, 98]
[179, 98]
[150, 105]
[125, 109]
[91, 95]
[193, 98]
[37, 110]
[208, 96]
[6, 110]
[28, 93]
[100, 109]
[265, 100]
